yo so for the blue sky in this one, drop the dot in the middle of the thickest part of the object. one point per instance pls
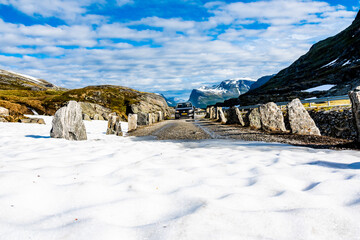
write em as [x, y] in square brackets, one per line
[166, 46]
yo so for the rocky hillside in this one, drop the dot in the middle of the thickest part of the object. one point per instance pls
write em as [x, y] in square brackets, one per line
[26, 95]
[333, 62]
[227, 89]
[16, 81]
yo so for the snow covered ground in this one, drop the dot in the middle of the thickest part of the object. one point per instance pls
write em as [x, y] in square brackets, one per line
[126, 188]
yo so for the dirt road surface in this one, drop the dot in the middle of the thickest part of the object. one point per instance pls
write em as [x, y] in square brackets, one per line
[200, 128]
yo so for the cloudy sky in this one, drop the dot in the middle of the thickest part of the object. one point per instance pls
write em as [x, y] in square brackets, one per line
[167, 46]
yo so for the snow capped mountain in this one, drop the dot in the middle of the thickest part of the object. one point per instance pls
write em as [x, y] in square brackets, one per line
[231, 88]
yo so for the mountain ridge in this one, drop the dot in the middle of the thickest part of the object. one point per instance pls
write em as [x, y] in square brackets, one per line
[335, 60]
[230, 88]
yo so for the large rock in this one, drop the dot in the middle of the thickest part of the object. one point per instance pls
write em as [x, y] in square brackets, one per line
[254, 119]
[161, 116]
[300, 121]
[95, 111]
[142, 119]
[207, 112]
[67, 123]
[114, 125]
[4, 111]
[235, 116]
[272, 119]
[150, 103]
[132, 122]
[221, 115]
[355, 106]
[212, 113]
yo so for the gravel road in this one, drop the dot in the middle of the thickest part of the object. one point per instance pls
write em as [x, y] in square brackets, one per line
[201, 128]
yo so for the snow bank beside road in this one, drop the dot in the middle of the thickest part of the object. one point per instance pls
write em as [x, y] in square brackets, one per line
[127, 188]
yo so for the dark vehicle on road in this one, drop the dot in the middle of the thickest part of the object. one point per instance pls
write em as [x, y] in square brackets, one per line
[184, 110]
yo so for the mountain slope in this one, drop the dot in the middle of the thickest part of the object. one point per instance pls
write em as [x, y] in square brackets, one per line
[335, 60]
[17, 81]
[261, 81]
[227, 89]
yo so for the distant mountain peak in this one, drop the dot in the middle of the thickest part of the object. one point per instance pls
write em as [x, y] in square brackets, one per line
[230, 88]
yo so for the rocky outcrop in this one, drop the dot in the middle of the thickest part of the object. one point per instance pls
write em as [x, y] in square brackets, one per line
[4, 112]
[67, 123]
[299, 119]
[335, 122]
[234, 116]
[272, 119]
[355, 106]
[150, 103]
[32, 120]
[94, 111]
[132, 122]
[114, 125]
[254, 119]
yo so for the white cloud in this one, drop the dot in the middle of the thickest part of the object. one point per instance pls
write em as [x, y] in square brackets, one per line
[121, 3]
[187, 53]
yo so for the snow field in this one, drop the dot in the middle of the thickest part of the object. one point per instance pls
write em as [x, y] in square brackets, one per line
[111, 187]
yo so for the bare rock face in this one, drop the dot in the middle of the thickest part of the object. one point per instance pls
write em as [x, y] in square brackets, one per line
[355, 106]
[95, 111]
[299, 119]
[254, 119]
[150, 103]
[221, 115]
[114, 125]
[67, 123]
[272, 119]
[132, 122]
[235, 117]
[32, 120]
[4, 111]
